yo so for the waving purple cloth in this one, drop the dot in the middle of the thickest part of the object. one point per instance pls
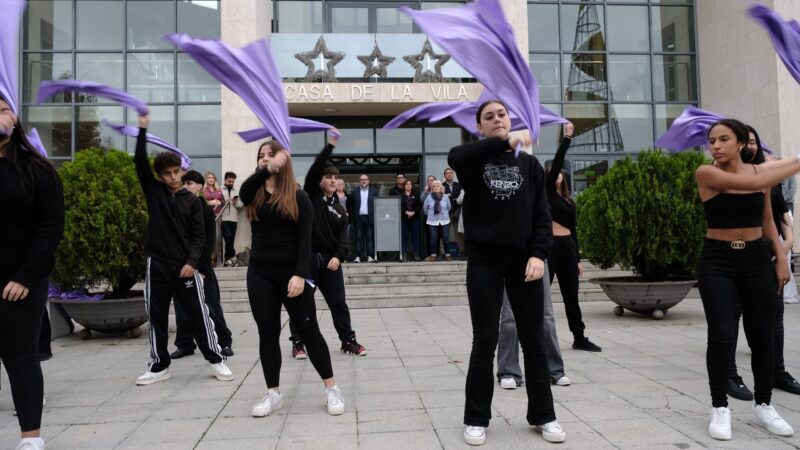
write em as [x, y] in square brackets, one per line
[36, 142]
[784, 34]
[129, 130]
[10, 19]
[480, 40]
[690, 129]
[296, 125]
[50, 88]
[250, 72]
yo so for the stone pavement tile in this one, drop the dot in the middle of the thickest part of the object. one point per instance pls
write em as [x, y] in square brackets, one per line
[393, 421]
[375, 361]
[162, 446]
[582, 391]
[515, 412]
[220, 391]
[450, 383]
[242, 407]
[156, 431]
[370, 387]
[697, 387]
[674, 373]
[197, 409]
[441, 370]
[381, 374]
[79, 398]
[146, 395]
[444, 418]
[66, 415]
[417, 440]
[599, 374]
[387, 401]
[233, 443]
[245, 428]
[642, 388]
[639, 433]
[9, 436]
[93, 435]
[744, 436]
[442, 399]
[674, 404]
[299, 425]
[343, 442]
[112, 412]
[427, 361]
[609, 409]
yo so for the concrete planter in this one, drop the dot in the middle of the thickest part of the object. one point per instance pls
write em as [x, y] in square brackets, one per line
[124, 315]
[644, 297]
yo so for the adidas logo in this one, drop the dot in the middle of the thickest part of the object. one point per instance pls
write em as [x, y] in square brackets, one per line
[189, 284]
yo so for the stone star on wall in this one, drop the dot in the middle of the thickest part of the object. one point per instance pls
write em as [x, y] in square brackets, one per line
[426, 74]
[375, 63]
[320, 54]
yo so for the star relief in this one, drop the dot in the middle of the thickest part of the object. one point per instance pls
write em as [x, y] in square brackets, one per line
[423, 72]
[320, 54]
[375, 63]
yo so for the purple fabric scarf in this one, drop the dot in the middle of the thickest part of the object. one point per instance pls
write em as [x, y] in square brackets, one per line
[479, 39]
[10, 20]
[296, 125]
[690, 129]
[50, 88]
[250, 72]
[36, 142]
[784, 34]
[130, 130]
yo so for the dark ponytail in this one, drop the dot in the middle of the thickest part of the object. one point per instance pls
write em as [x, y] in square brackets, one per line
[27, 161]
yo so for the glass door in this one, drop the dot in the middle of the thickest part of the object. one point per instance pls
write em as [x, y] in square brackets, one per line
[368, 17]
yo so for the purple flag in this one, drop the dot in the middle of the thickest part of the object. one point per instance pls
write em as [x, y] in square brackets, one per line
[690, 129]
[130, 130]
[785, 36]
[250, 72]
[36, 142]
[479, 38]
[10, 19]
[296, 125]
[51, 88]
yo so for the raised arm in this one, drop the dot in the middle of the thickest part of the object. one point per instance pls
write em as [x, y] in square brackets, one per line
[143, 170]
[468, 159]
[314, 175]
[252, 184]
[761, 178]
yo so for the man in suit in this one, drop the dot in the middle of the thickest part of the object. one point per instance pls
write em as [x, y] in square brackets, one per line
[362, 213]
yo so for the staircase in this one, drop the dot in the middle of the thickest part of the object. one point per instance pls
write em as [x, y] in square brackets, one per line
[399, 285]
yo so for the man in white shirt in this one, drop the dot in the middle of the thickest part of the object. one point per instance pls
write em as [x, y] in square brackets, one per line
[362, 213]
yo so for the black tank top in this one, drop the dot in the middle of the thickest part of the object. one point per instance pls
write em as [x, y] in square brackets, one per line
[726, 210]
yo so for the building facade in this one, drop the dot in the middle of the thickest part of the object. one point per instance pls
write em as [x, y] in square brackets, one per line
[620, 70]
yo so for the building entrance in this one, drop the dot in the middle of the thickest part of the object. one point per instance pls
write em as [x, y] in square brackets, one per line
[382, 170]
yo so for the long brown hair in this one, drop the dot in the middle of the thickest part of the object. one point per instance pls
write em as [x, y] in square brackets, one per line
[563, 189]
[284, 196]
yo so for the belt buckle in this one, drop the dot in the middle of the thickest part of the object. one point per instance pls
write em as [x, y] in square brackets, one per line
[738, 244]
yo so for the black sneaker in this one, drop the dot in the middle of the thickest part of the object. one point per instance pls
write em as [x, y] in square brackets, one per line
[44, 356]
[298, 350]
[786, 382]
[227, 352]
[353, 347]
[585, 344]
[181, 352]
[738, 390]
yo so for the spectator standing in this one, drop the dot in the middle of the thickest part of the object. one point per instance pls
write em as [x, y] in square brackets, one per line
[412, 208]
[212, 194]
[397, 189]
[437, 208]
[362, 209]
[452, 189]
[230, 217]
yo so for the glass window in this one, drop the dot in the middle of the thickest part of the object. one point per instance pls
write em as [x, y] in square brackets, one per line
[204, 165]
[200, 18]
[40, 67]
[437, 5]
[665, 115]
[162, 124]
[299, 16]
[401, 140]
[101, 24]
[391, 20]
[92, 134]
[147, 22]
[674, 78]
[200, 131]
[547, 70]
[151, 76]
[441, 140]
[635, 126]
[584, 77]
[629, 77]
[349, 20]
[627, 29]
[434, 165]
[307, 144]
[300, 168]
[103, 68]
[543, 27]
[587, 172]
[591, 127]
[54, 124]
[549, 137]
[194, 83]
[48, 25]
[356, 140]
[672, 29]
[582, 27]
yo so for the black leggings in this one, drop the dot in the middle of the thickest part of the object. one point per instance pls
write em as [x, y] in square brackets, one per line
[563, 262]
[266, 287]
[331, 284]
[731, 280]
[489, 269]
[20, 323]
[780, 366]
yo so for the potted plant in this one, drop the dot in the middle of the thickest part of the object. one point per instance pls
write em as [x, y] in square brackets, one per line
[645, 216]
[103, 245]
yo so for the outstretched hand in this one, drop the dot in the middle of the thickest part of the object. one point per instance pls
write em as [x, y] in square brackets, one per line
[144, 121]
[333, 136]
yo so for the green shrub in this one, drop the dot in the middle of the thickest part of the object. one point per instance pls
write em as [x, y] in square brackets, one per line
[105, 223]
[645, 216]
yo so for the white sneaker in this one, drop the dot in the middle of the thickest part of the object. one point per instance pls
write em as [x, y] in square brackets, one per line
[720, 425]
[221, 371]
[563, 381]
[767, 417]
[271, 402]
[333, 397]
[790, 300]
[552, 432]
[369, 259]
[475, 435]
[508, 383]
[152, 377]
[31, 444]
[357, 260]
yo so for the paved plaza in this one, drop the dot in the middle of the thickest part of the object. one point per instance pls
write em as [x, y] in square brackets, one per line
[647, 389]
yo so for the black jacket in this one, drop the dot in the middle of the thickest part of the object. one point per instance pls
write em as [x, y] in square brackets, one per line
[175, 231]
[329, 231]
[210, 227]
[413, 203]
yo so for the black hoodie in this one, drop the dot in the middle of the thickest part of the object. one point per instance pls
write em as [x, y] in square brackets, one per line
[175, 231]
[329, 232]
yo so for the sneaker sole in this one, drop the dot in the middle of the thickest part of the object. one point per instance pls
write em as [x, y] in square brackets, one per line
[224, 377]
[257, 414]
[554, 438]
[364, 353]
[337, 411]
[299, 357]
[720, 437]
[152, 381]
[508, 388]
[563, 384]
[472, 440]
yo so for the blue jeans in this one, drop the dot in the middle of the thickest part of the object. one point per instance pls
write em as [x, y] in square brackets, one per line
[411, 230]
[438, 232]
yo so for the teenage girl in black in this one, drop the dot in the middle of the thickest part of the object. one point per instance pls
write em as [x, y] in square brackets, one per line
[509, 233]
[736, 269]
[281, 216]
[564, 259]
[31, 228]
